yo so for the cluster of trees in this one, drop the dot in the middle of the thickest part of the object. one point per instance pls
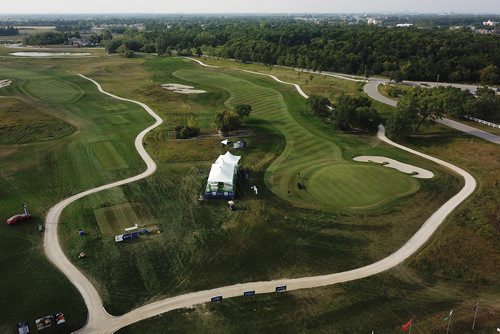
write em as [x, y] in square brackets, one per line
[143, 42]
[189, 130]
[420, 106]
[229, 120]
[412, 54]
[407, 53]
[400, 53]
[49, 38]
[486, 106]
[397, 91]
[9, 31]
[347, 113]
[119, 45]
[355, 113]
[186, 131]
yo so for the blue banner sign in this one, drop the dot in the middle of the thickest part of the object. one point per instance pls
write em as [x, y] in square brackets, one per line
[23, 328]
[216, 299]
[281, 288]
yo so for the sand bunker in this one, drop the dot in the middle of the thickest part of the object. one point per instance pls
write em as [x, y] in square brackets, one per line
[417, 172]
[5, 83]
[49, 54]
[182, 89]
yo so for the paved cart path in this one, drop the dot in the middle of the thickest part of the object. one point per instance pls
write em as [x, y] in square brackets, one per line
[99, 321]
[371, 89]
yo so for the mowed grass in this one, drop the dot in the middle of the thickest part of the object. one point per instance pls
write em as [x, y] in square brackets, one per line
[344, 185]
[457, 267]
[381, 304]
[52, 90]
[108, 156]
[311, 83]
[115, 219]
[202, 244]
[305, 152]
[46, 171]
[23, 122]
[115, 107]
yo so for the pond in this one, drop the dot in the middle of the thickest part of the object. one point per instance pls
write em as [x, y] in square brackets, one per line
[49, 54]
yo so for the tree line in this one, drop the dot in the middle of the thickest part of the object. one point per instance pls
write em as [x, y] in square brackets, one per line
[346, 113]
[420, 106]
[49, 38]
[9, 31]
[400, 53]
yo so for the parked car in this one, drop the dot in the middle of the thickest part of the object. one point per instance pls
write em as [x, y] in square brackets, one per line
[18, 218]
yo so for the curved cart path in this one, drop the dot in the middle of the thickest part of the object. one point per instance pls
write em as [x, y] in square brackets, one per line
[96, 313]
[99, 321]
[371, 89]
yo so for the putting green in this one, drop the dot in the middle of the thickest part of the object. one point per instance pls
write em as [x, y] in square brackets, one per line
[52, 89]
[348, 185]
[308, 157]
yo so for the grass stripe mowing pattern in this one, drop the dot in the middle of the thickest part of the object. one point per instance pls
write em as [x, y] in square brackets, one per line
[45, 172]
[338, 184]
[53, 90]
[117, 119]
[108, 156]
[114, 219]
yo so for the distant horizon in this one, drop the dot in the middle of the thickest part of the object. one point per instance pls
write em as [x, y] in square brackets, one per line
[247, 13]
[256, 7]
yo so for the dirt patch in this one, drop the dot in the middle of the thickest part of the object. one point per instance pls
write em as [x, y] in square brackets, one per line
[182, 89]
[5, 83]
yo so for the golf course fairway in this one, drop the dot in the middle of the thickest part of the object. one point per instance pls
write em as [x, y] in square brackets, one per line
[328, 181]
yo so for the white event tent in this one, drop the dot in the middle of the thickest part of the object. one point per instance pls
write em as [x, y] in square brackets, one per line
[222, 177]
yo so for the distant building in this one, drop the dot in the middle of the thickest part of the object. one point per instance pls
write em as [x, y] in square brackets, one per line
[79, 42]
[404, 25]
[484, 31]
[374, 21]
[490, 23]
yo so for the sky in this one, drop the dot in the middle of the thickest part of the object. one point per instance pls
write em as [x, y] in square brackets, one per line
[249, 6]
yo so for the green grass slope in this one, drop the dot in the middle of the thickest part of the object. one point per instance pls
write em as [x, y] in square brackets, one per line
[45, 171]
[203, 245]
[23, 122]
[308, 158]
[459, 266]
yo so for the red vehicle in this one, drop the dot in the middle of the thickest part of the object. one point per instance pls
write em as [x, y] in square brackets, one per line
[18, 218]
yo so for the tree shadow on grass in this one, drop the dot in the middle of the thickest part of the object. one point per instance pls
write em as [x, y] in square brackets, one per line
[429, 140]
